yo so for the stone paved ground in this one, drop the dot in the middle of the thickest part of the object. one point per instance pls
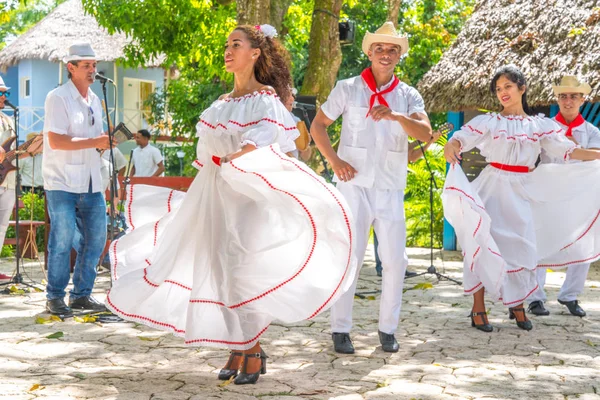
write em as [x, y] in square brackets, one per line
[440, 357]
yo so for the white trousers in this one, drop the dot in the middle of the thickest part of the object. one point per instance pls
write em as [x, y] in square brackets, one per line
[571, 287]
[7, 204]
[384, 210]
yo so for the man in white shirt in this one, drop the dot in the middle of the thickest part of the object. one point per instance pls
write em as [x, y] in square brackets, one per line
[571, 95]
[73, 136]
[371, 167]
[7, 186]
[147, 160]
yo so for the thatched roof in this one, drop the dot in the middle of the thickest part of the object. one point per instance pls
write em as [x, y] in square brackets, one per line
[50, 38]
[545, 38]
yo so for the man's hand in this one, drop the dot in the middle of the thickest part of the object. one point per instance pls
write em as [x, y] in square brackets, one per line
[343, 170]
[452, 152]
[102, 142]
[37, 146]
[380, 112]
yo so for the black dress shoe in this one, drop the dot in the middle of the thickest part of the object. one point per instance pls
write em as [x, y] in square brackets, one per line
[388, 342]
[58, 307]
[86, 303]
[409, 274]
[226, 372]
[342, 343]
[537, 308]
[573, 307]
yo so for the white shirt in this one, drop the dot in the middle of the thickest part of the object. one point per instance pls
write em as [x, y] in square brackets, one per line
[31, 171]
[377, 150]
[586, 135]
[6, 132]
[146, 160]
[68, 113]
[120, 162]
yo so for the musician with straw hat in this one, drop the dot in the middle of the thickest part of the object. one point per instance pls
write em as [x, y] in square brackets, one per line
[379, 114]
[571, 94]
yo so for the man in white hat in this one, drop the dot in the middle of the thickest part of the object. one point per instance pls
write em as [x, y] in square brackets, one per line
[570, 94]
[73, 182]
[379, 114]
[7, 186]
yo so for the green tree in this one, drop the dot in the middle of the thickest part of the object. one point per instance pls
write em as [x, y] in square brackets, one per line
[17, 17]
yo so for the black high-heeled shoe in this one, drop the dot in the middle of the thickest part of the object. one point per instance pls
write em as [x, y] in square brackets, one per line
[485, 327]
[526, 325]
[244, 377]
[226, 373]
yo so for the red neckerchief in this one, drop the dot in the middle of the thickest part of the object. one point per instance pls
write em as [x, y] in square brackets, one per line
[369, 79]
[576, 122]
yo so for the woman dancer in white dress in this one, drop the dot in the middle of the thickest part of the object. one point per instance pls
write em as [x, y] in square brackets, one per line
[510, 220]
[257, 237]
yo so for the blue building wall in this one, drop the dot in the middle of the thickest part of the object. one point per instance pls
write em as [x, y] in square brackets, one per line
[44, 77]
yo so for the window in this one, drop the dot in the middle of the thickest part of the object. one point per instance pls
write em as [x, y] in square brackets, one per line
[26, 87]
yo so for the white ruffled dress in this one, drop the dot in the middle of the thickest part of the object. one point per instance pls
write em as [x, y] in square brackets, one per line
[257, 239]
[510, 223]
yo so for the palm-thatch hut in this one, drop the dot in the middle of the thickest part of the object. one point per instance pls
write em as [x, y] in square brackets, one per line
[32, 65]
[545, 38]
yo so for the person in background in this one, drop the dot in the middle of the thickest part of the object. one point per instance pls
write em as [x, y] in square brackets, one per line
[147, 160]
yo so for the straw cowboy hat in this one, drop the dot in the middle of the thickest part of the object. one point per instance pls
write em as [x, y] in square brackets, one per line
[3, 85]
[80, 51]
[386, 34]
[570, 84]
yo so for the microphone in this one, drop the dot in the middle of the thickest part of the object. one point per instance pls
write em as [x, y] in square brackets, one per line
[304, 106]
[103, 79]
[11, 105]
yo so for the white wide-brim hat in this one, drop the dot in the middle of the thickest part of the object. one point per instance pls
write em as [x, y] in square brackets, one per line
[570, 84]
[386, 34]
[80, 51]
[3, 85]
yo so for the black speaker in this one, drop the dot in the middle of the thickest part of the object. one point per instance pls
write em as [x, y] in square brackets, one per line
[305, 108]
[347, 31]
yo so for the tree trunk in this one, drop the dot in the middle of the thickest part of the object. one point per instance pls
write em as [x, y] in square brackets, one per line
[324, 51]
[253, 12]
[394, 11]
[279, 9]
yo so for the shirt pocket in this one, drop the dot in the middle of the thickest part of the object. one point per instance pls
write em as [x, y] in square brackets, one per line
[357, 157]
[75, 174]
[396, 164]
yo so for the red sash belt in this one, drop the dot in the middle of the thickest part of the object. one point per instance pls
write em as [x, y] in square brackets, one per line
[216, 160]
[511, 168]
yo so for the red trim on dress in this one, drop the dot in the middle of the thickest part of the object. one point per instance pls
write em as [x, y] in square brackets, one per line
[473, 288]
[198, 163]
[523, 299]
[129, 207]
[584, 233]
[466, 195]
[169, 201]
[247, 96]
[473, 258]
[142, 318]
[568, 263]
[287, 128]
[115, 257]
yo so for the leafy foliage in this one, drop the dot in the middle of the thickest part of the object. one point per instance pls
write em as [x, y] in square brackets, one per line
[16, 17]
[30, 201]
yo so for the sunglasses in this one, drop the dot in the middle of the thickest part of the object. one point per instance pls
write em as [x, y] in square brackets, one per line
[91, 116]
[6, 94]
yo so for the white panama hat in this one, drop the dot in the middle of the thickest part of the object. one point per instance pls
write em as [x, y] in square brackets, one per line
[386, 34]
[570, 84]
[3, 85]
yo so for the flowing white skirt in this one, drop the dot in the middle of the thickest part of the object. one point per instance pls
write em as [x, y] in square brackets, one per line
[258, 239]
[508, 224]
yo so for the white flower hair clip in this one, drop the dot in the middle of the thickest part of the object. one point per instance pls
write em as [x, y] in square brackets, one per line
[267, 30]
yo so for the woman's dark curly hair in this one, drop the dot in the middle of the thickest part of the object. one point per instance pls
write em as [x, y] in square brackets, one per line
[272, 66]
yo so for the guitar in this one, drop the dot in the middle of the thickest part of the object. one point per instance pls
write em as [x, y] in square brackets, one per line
[445, 128]
[6, 165]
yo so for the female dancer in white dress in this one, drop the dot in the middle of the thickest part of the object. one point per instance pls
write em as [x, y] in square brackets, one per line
[257, 237]
[509, 221]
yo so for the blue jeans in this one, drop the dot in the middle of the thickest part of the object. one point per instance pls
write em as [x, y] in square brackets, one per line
[71, 212]
[378, 266]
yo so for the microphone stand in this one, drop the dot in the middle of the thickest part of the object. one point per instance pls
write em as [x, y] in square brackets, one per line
[113, 178]
[18, 278]
[432, 184]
